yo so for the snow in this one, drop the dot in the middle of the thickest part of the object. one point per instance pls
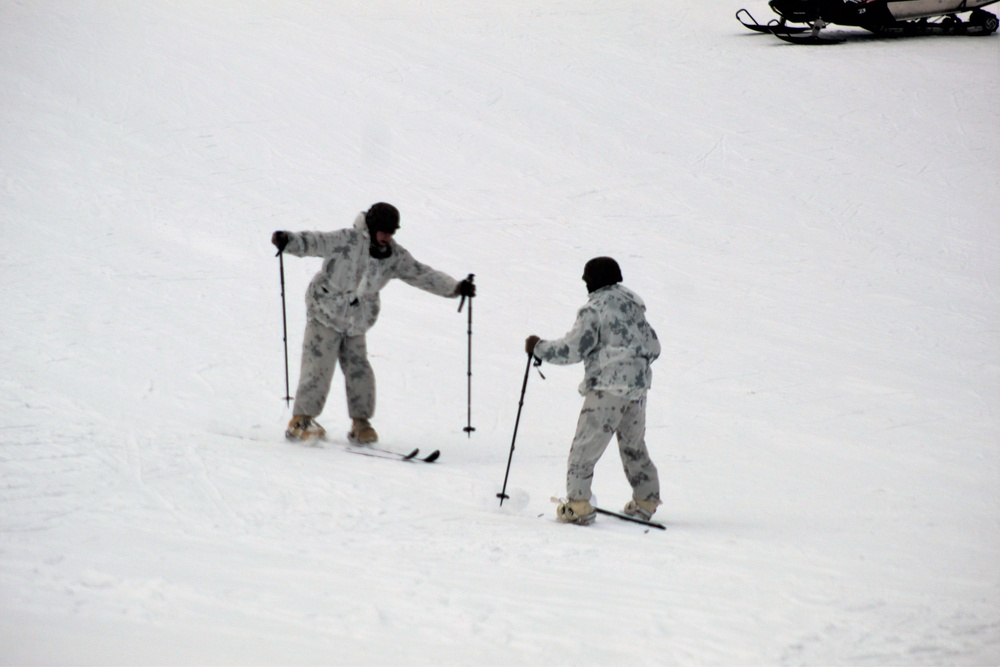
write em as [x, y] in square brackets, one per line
[814, 232]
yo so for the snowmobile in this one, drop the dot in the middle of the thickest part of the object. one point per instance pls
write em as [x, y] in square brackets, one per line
[889, 18]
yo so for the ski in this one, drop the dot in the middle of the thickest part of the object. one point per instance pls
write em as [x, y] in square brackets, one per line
[633, 519]
[355, 447]
[618, 515]
[352, 447]
[383, 453]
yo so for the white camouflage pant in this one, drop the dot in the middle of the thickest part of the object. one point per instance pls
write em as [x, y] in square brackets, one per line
[605, 415]
[322, 348]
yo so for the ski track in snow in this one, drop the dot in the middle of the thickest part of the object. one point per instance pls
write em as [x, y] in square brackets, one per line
[813, 231]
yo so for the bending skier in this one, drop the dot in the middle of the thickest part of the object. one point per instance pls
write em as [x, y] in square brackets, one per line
[616, 344]
[342, 304]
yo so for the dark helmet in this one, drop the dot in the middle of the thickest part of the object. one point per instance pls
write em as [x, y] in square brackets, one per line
[382, 217]
[601, 272]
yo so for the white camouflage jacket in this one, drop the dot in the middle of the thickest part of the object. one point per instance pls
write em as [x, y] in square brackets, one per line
[344, 294]
[613, 340]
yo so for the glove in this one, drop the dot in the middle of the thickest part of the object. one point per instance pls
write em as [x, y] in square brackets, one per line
[280, 240]
[529, 344]
[466, 288]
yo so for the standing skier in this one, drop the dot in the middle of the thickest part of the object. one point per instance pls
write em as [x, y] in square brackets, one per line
[616, 344]
[342, 304]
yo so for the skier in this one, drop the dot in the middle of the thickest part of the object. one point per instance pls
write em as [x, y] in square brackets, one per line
[342, 304]
[617, 345]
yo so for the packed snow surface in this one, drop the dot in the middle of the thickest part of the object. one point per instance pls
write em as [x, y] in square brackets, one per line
[814, 231]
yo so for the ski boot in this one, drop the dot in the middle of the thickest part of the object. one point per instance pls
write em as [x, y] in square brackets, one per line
[362, 432]
[303, 427]
[580, 512]
[641, 509]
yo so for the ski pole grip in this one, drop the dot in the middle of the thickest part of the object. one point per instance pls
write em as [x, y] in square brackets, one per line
[461, 303]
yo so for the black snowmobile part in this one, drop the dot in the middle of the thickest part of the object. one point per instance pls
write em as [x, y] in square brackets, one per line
[977, 25]
[875, 16]
[980, 23]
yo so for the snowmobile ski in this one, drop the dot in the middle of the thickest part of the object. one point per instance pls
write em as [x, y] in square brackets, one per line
[795, 36]
[750, 23]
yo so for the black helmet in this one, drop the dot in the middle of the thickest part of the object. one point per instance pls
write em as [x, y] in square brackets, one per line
[382, 217]
[601, 272]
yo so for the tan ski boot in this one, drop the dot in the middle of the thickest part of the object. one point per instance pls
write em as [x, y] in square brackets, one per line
[576, 511]
[641, 509]
[303, 427]
[362, 432]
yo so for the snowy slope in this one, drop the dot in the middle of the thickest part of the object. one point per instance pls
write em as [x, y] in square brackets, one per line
[813, 230]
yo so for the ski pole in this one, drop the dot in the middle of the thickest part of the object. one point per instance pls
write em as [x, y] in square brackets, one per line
[284, 324]
[469, 428]
[503, 493]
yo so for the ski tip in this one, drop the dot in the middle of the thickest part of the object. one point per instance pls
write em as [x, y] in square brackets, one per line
[413, 454]
[432, 457]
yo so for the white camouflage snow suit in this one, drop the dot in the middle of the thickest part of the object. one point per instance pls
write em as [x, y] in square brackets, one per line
[616, 344]
[342, 304]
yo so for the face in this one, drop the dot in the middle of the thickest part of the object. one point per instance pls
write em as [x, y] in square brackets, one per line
[383, 238]
[588, 279]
